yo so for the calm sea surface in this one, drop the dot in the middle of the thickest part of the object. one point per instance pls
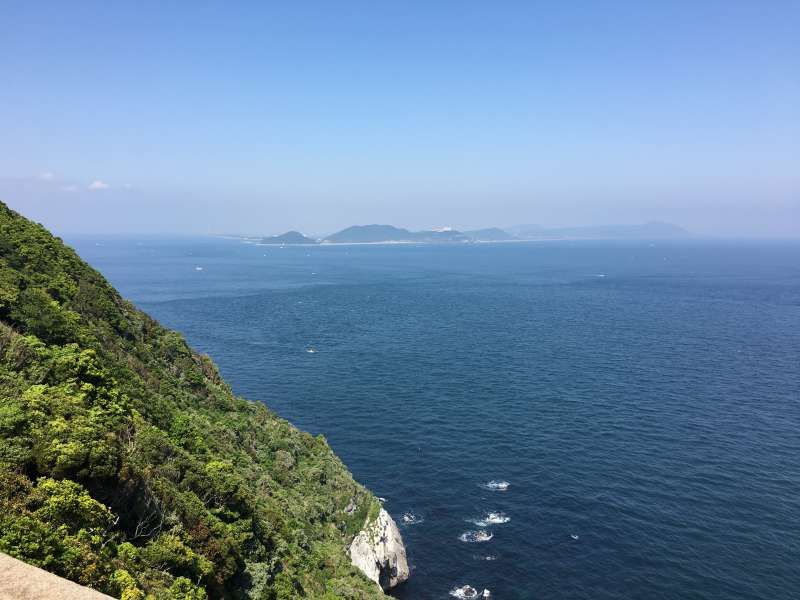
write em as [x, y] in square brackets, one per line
[642, 400]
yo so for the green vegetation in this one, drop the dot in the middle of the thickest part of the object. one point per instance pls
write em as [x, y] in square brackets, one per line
[127, 464]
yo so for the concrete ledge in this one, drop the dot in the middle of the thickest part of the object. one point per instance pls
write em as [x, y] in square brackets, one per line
[21, 581]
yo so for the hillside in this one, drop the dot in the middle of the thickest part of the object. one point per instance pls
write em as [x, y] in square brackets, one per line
[126, 463]
[365, 234]
[374, 234]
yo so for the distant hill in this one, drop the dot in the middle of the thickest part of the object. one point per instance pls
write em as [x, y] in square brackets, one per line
[377, 234]
[290, 237]
[651, 230]
[490, 234]
[366, 234]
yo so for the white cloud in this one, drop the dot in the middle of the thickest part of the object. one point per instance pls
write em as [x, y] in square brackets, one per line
[46, 176]
[69, 188]
[98, 185]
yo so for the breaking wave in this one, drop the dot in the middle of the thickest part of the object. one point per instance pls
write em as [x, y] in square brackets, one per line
[492, 518]
[410, 518]
[496, 486]
[472, 537]
[468, 592]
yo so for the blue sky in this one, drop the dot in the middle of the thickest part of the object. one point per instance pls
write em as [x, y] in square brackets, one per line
[259, 117]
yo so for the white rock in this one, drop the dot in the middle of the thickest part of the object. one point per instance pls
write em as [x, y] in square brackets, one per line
[379, 552]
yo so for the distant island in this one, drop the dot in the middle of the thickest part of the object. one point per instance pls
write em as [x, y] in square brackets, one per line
[371, 234]
[290, 237]
[389, 234]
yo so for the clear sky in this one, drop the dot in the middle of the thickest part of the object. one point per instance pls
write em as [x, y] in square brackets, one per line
[258, 117]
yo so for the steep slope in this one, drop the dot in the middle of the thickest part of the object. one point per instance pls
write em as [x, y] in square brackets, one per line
[126, 463]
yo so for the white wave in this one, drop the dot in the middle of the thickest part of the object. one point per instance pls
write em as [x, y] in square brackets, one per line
[496, 485]
[492, 518]
[468, 592]
[311, 350]
[574, 536]
[472, 537]
[486, 557]
[198, 268]
[410, 518]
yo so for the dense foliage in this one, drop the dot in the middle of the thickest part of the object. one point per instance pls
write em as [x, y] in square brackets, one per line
[127, 464]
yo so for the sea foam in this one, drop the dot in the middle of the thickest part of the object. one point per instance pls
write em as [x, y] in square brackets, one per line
[410, 518]
[492, 518]
[468, 592]
[496, 486]
[472, 537]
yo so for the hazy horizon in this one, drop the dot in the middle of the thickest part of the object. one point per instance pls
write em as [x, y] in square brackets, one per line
[257, 120]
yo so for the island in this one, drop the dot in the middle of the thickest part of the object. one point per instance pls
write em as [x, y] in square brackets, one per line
[288, 238]
[385, 234]
[389, 234]
[369, 234]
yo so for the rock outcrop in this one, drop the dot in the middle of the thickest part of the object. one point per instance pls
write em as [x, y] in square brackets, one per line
[379, 552]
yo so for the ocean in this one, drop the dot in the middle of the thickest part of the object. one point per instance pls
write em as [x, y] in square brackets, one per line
[640, 399]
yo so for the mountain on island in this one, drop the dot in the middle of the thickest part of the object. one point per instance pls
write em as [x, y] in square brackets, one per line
[290, 237]
[370, 234]
[376, 234]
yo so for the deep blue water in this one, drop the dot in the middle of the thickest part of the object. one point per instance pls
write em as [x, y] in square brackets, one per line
[653, 411]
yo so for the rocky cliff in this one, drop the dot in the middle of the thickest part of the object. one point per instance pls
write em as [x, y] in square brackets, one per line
[379, 552]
